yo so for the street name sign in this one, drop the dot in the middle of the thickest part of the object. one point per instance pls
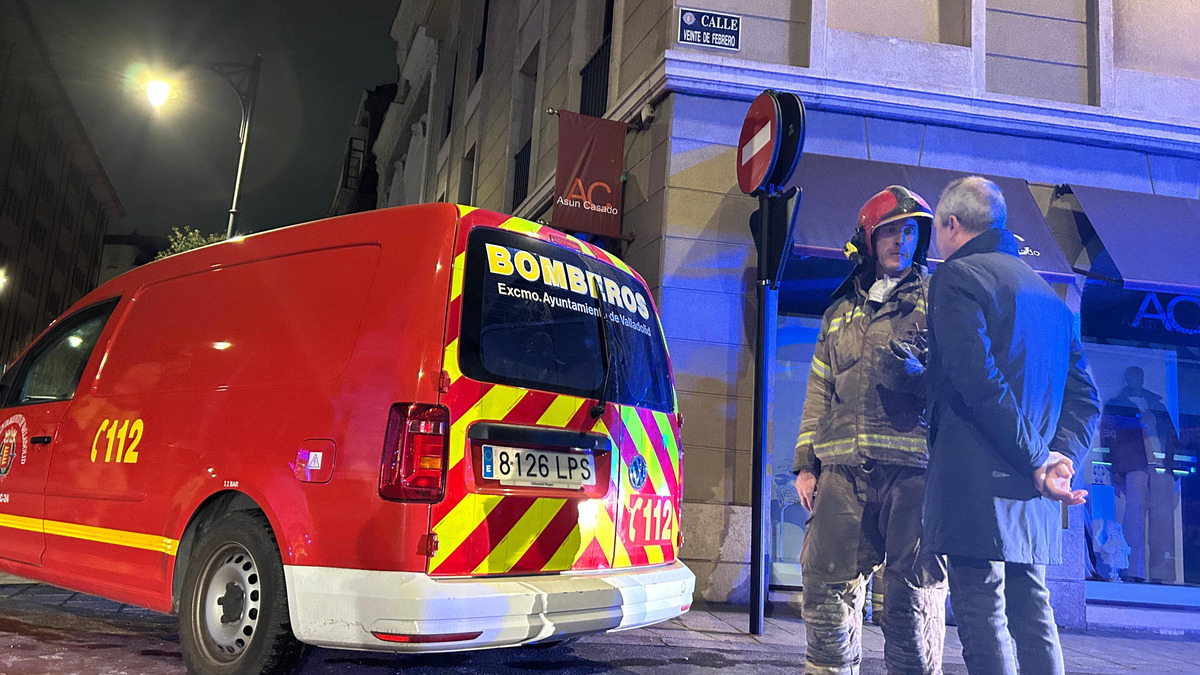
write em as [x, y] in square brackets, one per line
[710, 29]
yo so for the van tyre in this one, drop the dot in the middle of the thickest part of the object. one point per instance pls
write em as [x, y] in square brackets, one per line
[233, 617]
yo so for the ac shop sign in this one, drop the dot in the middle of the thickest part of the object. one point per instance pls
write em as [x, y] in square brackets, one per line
[587, 179]
[1142, 316]
[1179, 314]
[595, 197]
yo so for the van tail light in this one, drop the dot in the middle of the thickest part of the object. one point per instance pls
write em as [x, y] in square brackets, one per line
[414, 454]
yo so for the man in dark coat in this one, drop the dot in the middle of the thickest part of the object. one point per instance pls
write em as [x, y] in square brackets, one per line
[1013, 409]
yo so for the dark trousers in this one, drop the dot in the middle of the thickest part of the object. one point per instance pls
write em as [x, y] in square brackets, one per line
[862, 515]
[995, 600]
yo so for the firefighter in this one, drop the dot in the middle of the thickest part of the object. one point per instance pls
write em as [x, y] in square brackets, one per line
[861, 453]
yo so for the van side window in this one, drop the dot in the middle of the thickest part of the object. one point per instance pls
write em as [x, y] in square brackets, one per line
[57, 364]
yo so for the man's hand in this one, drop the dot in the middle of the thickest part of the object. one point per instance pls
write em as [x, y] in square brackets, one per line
[806, 487]
[909, 356]
[1053, 480]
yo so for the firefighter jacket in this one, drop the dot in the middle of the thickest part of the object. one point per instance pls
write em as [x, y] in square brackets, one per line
[861, 402]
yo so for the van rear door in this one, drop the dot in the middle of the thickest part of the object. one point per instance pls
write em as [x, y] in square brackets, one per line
[533, 462]
[564, 449]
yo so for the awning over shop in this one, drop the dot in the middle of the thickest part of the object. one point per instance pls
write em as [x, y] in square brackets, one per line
[836, 187]
[1152, 240]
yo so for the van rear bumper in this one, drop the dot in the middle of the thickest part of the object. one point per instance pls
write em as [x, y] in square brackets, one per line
[345, 608]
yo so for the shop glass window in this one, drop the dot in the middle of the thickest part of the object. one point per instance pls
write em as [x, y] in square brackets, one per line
[1144, 492]
[796, 341]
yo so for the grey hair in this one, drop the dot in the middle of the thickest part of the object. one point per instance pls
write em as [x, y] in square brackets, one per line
[977, 202]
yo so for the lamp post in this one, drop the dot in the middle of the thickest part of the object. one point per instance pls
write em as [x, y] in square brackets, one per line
[243, 77]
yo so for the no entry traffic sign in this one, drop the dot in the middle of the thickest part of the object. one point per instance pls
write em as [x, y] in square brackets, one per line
[771, 141]
[758, 148]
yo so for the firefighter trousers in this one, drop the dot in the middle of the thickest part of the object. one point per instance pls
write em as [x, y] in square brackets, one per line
[862, 515]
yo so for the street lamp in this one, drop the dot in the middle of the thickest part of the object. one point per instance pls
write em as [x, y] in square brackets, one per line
[243, 77]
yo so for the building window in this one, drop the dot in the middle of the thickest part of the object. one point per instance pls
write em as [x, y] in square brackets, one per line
[521, 174]
[466, 178]
[449, 124]
[79, 282]
[76, 179]
[593, 94]
[23, 154]
[30, 282]
[46, 188]
[10, 205]
[53, 303]
[98, 223]
[354, 163]
[525, 111]
[38, 234]
[61, 260]
[481, 47]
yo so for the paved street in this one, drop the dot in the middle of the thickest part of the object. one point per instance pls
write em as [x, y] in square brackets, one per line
[47, 630]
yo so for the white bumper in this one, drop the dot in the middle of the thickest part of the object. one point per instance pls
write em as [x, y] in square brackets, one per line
[342, 608]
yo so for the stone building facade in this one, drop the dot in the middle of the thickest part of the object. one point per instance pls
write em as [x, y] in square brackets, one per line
[1097, 93]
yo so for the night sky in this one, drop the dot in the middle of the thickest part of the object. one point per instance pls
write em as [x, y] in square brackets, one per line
[176, 165]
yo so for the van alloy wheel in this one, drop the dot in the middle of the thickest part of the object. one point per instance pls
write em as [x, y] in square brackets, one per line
[229, 608]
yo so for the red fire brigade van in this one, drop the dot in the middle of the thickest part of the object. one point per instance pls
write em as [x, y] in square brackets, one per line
[429, 428]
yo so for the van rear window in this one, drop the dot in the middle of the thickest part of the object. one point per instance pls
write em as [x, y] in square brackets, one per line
[541, 316]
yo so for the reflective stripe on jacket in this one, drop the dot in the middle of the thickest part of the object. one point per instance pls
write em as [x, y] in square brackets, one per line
[860, 403]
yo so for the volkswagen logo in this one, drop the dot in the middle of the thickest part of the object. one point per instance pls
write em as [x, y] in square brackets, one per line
[638, 472]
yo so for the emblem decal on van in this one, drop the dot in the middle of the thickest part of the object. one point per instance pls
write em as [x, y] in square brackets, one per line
[638, 472]
[14, 439]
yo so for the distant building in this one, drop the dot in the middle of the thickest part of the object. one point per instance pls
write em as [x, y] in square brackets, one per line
[358, 182]
[123, 252]
[55, 199]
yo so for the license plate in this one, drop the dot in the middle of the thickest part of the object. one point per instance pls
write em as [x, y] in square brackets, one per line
[538, 468]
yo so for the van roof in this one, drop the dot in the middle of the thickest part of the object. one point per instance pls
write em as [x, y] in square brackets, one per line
[367, 226]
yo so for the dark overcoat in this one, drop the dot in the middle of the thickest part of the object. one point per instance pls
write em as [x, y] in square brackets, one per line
[1007, 383]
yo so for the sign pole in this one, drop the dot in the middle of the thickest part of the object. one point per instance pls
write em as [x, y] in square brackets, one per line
[759, 485]
[769, 147]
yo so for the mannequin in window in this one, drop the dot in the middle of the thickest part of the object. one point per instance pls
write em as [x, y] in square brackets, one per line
[1142, 442]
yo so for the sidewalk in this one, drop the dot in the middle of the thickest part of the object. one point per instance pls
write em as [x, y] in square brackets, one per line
[77, 633]
[1083, 651]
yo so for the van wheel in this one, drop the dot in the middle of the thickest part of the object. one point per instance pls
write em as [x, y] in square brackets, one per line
[233, 617]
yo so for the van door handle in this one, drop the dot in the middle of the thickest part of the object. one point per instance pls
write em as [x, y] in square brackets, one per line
[40, 440]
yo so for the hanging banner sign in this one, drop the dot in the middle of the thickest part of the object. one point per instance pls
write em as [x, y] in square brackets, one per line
[587, 180]
[710, 29]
